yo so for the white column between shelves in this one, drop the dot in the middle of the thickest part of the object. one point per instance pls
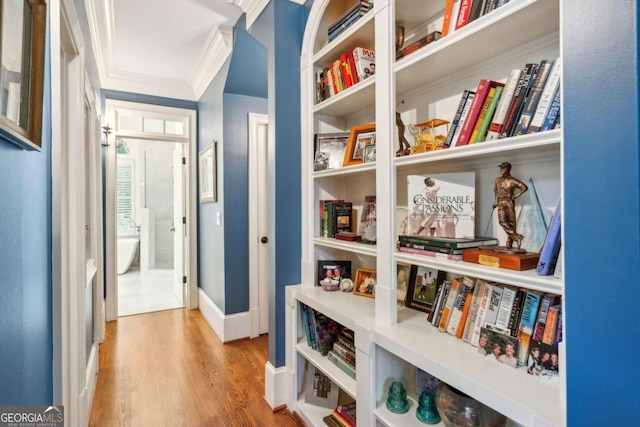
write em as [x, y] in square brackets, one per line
[306, 154]
[386, 311]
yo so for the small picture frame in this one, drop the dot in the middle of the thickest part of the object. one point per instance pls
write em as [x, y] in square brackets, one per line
[332, 146]
[497, 345]
[403, 276]
[359, 138]
[208, 166]
[365, 283]
[369, 153]
[423, 286]
[332, 272]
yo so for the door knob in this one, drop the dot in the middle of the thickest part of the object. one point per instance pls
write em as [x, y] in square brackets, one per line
[264, 239]
[172, 229]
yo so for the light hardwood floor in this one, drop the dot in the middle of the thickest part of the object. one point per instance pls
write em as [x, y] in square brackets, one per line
[168, 368]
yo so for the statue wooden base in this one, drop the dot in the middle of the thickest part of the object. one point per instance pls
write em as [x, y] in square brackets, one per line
[511, 261]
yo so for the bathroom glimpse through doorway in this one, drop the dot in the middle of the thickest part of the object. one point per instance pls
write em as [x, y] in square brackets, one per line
[150, 207]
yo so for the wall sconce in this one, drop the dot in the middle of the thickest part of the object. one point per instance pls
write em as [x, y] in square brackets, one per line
[107, 131]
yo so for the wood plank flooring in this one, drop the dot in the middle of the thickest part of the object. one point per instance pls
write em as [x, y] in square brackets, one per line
[168, 368]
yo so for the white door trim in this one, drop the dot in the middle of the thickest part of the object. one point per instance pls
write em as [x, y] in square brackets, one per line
[255, 122]
[114, 110]
[68, 231]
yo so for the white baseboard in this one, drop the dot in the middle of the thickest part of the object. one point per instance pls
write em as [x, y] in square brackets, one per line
[228, 327]
[275, 385]
[91, 378]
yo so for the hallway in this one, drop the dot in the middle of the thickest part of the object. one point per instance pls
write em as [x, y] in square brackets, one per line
[168, 368]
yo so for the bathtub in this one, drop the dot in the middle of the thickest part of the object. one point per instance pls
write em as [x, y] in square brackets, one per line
[127, 249]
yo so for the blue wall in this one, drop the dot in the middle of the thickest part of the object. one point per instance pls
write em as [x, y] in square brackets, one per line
[236, 189]
[210, 236]
[602, 288]
[280, 28]
[26, 344]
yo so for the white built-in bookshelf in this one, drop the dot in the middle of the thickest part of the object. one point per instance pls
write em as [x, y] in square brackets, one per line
[392, 341]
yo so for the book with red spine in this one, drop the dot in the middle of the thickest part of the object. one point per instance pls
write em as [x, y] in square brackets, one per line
[497, 122]
[474, 111]
[463, 14]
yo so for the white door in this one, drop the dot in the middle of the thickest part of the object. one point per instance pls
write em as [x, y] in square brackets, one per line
[263, 228]
[259, 244]
[179, 229]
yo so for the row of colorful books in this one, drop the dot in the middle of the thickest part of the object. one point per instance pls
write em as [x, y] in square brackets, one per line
[330, 338]
[349, 17]
[421, 42]
[528, 102]
[349, 69]
[342, 416]
[458, 13]
[489, 314]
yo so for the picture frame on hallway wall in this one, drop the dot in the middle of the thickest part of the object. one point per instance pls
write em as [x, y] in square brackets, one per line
[208, 172]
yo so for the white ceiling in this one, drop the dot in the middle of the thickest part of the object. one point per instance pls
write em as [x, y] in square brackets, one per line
[170, 48]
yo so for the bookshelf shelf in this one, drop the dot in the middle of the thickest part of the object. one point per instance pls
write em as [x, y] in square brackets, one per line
[349, 101]
[392, 341]
[527, 278]
[511, 392]
[360, 34]
[341, 379]
[356, 248]
[512, 24]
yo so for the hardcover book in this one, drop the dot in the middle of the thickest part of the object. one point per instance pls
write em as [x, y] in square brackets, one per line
[513, 113]
[442, 205]
[546, 98]
[365, 60]
[448, 243]
[531, 101]
[456, 118]
[461, 307]
[473, 310]
[463, 118]
[551, 246]
[429, 253]
[497, 122]
[527, 322]
[482, 91]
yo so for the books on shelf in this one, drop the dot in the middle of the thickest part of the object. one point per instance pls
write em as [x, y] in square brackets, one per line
[513, 113]
[433, 254]
[545, 101]
[551, 245]
[482, 92]
[533, 96]
[442, 205]
[351, 15]
[449, 243]
[499, 116]
[527, 322]
[365, 62]
[341, 363]
[421, 42]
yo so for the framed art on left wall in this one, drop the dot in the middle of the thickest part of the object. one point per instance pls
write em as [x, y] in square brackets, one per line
[208, 172]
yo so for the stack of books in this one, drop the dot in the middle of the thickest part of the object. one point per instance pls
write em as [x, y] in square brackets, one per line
[343, 353]
[348, 18]
[342, 416]
[441, 247]
[421, 42]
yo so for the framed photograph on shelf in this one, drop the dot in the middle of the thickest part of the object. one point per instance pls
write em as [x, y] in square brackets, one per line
[329, 150]
[332, 272]
[365, 283]
[369, 153]
[208, 190]
[403, 276]
[423, 285]
[359, 138]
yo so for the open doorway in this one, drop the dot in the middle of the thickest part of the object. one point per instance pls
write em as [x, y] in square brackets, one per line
[150, 188]
[146, 131]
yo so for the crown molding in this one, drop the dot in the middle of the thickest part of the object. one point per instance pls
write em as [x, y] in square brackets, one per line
[149, 85]
[100, 20]
[252, 8]
[214, 53]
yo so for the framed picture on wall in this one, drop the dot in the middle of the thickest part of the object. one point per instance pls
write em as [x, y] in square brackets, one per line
[208, 184]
